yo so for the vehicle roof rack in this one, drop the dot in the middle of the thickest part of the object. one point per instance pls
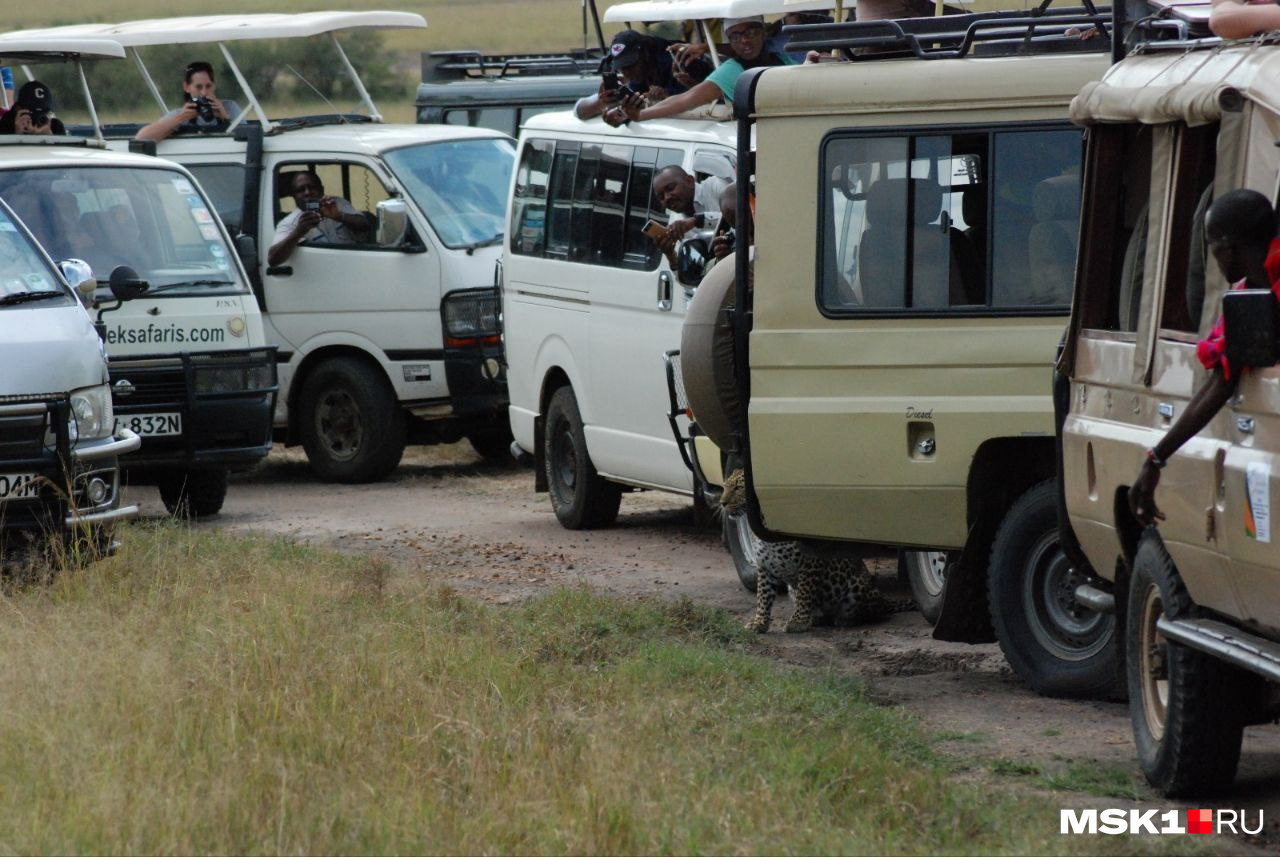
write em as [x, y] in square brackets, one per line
[454, 65]
[1045, 29]
[1173, 24]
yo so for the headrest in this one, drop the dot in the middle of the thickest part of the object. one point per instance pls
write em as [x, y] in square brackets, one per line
[1057, 198]
[887, 200]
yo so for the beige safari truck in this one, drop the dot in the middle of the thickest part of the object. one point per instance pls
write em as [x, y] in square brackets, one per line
[916, 218]
[1196, 598]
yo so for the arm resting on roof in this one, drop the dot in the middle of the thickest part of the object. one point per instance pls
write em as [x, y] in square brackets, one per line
[704, 93]
[1232, 19]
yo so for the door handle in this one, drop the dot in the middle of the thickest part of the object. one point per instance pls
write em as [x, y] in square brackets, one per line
[280, 271]
[664, 291]
[1165, 410]
[1244, 425]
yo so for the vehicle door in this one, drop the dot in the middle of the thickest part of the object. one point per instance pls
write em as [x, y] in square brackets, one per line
[944, 277]
[380, 298]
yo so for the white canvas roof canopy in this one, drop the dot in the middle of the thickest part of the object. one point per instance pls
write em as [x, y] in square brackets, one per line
[220, 29]
[704, 10]
[25, 50]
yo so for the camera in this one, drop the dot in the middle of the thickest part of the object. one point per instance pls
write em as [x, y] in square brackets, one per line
[311, 205]
[204, 108]
[39, 117]
[611, 83]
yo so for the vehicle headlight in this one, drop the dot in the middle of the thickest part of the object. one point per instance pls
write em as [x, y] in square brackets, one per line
[470, 316]
[238, 376]
[92, 416]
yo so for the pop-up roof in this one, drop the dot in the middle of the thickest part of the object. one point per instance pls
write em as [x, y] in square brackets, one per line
[26, 49]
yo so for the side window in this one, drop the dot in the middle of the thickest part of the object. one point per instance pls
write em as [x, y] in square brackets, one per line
[529, 207]
[560, 207]
[608, 215]
[1193, 165]
[356, 188]
[1114, 226]
[224, 184]
[1035, 216]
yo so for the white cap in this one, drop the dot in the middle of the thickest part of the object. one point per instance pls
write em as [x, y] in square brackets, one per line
[730, 23]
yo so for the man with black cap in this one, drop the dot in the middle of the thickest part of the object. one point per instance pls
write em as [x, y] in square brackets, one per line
[646, 69]
[32, 112]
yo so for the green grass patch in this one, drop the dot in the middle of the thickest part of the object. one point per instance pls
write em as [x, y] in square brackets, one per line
[204, 693]
[1014, 768]
[1099, 779]
[1051, 732]
[973, 737]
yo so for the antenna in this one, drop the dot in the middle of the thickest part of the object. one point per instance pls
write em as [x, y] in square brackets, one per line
[332, 106]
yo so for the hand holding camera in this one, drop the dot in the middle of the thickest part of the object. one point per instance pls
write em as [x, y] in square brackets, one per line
[722, 245]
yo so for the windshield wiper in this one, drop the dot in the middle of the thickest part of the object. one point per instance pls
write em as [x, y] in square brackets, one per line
[488, 242]
[27, 297]
[182, 285]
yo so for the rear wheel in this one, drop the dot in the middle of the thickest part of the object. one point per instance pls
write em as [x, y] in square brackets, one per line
[926, 572]
[743, 547]
[1182, 703]
[1054, 643]
[582, 500]
[193, 493]
[351, 424]
[493, 443]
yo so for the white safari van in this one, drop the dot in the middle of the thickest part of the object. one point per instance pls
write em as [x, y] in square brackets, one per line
[59, 479]
[190, 369]
[386, 341]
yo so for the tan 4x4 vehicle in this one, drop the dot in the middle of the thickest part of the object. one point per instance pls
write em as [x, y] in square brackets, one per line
[916, 224]
[1197, 597]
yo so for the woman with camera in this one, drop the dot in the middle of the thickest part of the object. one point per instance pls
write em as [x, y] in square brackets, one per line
[201, 109]
[32, 112]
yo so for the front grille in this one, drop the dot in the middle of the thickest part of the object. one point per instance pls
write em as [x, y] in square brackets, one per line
[166, 386]
[23, 436]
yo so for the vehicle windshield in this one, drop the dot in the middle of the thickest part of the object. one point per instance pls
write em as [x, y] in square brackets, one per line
[461, 187]
[156, 221]
[23, 271]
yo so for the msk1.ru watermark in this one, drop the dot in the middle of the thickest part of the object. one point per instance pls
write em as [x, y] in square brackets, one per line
[1116, 821]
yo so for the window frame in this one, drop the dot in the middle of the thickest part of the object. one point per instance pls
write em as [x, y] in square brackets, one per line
[912, 132]
[292, 165]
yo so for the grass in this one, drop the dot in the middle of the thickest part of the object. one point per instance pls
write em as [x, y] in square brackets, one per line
[1014, 768]
[1098, 779]
[203, 693]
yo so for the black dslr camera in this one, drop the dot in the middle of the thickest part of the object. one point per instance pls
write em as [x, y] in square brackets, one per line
[204, 108]
[39, 117]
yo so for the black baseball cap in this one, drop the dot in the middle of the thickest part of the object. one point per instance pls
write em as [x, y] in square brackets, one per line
[626, 48]
[34, 95]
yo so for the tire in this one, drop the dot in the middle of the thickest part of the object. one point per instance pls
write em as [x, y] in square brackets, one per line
[1056, 645]
[193, 493]
[926, 573]
[1182, 703]
[582, 500]
[743, 546]
[352, 427]
[493, 443]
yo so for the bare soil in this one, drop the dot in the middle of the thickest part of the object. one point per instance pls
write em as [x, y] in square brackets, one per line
[481, 529]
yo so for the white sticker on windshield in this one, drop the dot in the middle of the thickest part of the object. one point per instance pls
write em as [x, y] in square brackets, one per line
[6, 226]
[1257, 513]
[209, 231]
[183, 186]
[202, 215]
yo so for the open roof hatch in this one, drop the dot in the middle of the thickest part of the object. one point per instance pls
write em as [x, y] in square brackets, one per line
[26, 49]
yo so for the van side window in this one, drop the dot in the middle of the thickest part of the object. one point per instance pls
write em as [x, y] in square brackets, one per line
[1115, 218]
[1195, 157]
[529, 207]
[224, 184]
[355, 183]
[968, 221]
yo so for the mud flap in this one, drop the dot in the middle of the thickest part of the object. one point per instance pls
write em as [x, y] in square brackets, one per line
[966, 611]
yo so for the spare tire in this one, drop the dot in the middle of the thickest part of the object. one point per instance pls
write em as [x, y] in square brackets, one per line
[706, 356]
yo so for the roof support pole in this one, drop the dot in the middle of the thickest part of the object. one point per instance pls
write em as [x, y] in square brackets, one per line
[146, 76]
[355, 78]
[88, 100]
[248, 93]
[705, 28]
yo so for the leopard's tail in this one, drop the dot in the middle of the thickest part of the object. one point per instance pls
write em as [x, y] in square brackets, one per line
[902, 605]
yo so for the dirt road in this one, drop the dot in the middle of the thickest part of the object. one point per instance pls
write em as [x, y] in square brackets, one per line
[482, 530]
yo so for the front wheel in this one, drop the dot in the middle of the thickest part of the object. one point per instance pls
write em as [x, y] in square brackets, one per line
[493, 443]
[581, 498]
[926, 571]
[1054, 643]
[352, 427]
[1181, 702]
[193, 493]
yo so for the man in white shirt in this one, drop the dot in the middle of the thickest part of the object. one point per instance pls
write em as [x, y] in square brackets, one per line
[318, 219]
[690, 204]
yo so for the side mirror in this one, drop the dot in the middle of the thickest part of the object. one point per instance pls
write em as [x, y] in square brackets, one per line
[247, 250]
[1251, 319]
[79, 276]
[126, 284]
[691, 261]
[393, 222]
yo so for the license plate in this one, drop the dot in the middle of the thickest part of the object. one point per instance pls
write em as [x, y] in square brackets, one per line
[151, 425]
[19, 486]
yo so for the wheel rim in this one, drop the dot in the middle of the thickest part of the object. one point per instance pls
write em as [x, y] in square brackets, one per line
[564, 460]
[930, 569]
[338, 425]
[748, 544]
[1062, 625]
[1154, 664]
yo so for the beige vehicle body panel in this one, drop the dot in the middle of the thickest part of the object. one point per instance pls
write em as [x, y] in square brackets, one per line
[840, 407]
[1128, 386]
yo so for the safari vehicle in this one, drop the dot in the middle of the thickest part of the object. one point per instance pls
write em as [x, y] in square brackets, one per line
[897, 389]
[1195, 597]
[59, 444]
[191, 372]
[382, 342]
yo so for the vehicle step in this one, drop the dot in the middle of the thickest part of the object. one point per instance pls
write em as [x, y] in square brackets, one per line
[1227, 642]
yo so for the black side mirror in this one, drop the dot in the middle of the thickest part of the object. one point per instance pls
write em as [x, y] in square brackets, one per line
[247, 250]
[126, 284]
[1251, 319]
[691, 261]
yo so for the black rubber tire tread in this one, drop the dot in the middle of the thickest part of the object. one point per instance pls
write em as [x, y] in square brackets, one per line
[930, 605]
[1098, 677]
[384, 429]
[193, 494]
[493, 443]
[1203, 725]
[592, 502]
[748, 573]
